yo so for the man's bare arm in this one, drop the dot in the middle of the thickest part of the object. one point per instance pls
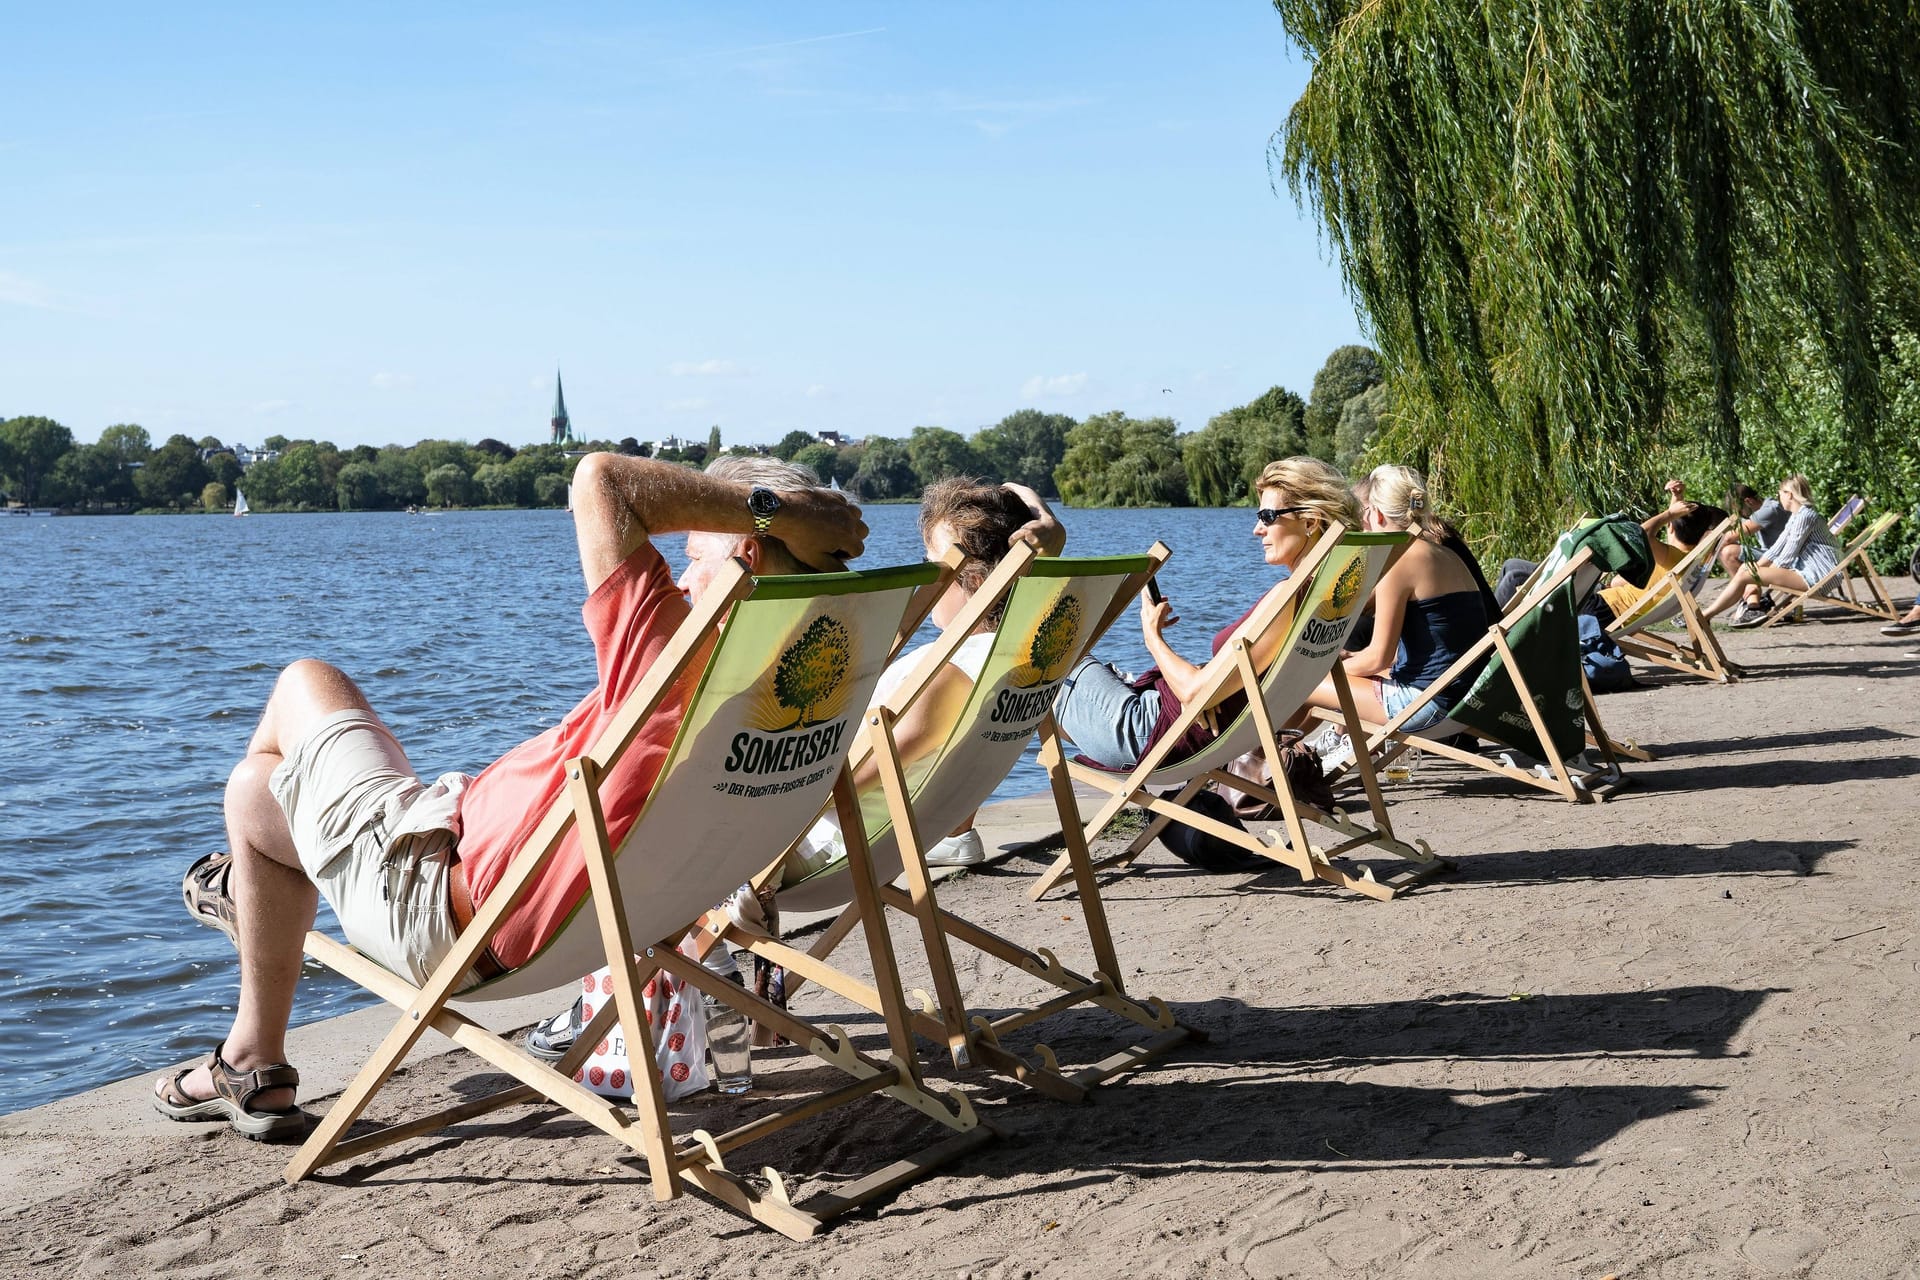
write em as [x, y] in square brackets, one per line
[620, 502]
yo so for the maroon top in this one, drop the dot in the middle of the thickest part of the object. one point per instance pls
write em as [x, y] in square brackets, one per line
[1201, 733]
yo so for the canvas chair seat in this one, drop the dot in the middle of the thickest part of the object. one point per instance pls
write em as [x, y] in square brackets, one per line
[1315, 610]
[1053, 608]
[1672, 595]
[1530, 694]
[761, 743]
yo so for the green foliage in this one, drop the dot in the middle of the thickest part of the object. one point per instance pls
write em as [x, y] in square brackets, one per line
[820, 457]
[550, 490]
[1359, 420]
[29, 449]
[792, 443]
[886, 470]
[1024, 448]
[937, 453]
[213, 497]
[174, 475]
[713, 441]
[304, 480]
[1584, 234]
[1347, 372]
[1116, 461]
[812, 670]
[357, 487]
[447, 486]
[1224, 460]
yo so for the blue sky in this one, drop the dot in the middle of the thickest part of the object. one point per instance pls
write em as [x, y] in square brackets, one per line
[379, 224]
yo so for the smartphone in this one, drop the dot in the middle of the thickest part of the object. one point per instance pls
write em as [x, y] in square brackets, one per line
[1153, 591]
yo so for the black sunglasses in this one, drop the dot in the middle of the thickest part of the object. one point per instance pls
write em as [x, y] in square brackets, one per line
[1271, 515]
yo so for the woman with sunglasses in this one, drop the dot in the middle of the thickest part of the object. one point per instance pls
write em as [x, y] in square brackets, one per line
[1114, 720]
[1427, 610]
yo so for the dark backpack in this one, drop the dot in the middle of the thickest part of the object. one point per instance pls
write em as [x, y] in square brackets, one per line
[1606, 667]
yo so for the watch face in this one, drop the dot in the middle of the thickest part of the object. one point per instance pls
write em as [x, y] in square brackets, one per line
[763, 502]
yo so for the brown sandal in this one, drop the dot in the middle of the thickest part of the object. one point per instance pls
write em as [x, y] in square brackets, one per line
[233, 1090]
[207, 889]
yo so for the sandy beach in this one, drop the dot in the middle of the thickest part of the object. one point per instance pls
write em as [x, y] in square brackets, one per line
[1665, 1036]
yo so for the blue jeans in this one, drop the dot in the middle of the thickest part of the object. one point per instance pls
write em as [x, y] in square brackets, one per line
[1396, 697]
[1111, 722]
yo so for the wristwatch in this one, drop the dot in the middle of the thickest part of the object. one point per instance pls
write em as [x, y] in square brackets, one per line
[762, 502]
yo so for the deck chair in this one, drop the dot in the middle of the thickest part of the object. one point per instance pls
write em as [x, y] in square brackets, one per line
[1053, 610]
[1672, 594]
[762, 741]
[1836, 586]
[1316, 609]
[1530, 695]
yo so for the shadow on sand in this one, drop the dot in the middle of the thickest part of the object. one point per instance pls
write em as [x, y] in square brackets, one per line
[1155, 1122]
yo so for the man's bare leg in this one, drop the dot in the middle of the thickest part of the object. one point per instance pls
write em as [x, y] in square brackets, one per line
[273, 899]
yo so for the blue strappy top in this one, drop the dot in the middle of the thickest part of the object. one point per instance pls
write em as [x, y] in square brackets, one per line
[1434, 633]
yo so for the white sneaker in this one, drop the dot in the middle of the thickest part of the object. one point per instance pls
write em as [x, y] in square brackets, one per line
[963, 850]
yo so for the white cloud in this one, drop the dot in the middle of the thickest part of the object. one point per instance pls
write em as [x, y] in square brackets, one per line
[19, 291]
[707, 369]
[1064, 384]
[818, 391]
[392, 381]
[688, 404]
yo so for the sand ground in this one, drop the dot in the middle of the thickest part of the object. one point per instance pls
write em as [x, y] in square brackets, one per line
[1670, 1035]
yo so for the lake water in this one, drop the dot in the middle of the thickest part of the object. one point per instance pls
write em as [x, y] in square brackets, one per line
[136, 652]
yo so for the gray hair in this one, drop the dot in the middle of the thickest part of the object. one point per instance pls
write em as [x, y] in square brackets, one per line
[764, 470]
[767, 471]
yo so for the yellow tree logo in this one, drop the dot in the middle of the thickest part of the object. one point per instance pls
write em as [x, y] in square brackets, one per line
[1053, 645]
[1346, 590]
[812, 674]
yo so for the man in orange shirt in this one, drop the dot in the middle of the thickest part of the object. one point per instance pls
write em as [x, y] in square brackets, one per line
[326, 803]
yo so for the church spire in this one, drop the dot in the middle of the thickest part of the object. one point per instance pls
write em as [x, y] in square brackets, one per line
[561, 424]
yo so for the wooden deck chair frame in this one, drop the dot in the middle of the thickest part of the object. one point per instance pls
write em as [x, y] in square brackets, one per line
[1669, 595]
[673, 1162]
[943, 1017]
[1855, 558]
[1232, 670]
[1387, 742]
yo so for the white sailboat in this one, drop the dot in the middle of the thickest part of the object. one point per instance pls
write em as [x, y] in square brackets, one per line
[833, 483]
[240, 507]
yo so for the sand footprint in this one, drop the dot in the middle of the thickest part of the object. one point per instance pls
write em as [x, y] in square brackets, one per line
[1783, 1250]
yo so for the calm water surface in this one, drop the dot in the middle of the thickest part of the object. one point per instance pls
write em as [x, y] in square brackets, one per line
[136, 652]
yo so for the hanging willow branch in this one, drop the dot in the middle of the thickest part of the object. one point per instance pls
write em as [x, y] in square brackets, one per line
[1577, 229]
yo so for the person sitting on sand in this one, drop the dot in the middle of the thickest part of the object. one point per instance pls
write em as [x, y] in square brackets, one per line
[325, 802]
[1426, 610]
[1803, 554]
[1766, 521]
[1114, 720]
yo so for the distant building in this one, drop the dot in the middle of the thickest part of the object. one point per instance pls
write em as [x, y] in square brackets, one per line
[829, 437]
[561, 424]
[247, 457]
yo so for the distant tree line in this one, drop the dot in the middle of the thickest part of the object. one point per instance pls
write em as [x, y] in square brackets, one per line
[1107, 460]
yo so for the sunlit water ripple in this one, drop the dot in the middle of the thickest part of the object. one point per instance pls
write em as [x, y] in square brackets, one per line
[136, 652]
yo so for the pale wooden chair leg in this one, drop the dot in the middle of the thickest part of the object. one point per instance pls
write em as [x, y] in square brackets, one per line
[583, 784]
[906, 832]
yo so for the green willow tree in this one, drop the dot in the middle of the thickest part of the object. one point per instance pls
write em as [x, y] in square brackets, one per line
[1583, 231]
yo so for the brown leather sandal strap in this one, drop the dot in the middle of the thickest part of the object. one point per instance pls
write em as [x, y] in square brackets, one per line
[241, 1087]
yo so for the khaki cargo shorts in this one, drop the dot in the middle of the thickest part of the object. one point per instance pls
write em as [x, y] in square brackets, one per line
[346, 786]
